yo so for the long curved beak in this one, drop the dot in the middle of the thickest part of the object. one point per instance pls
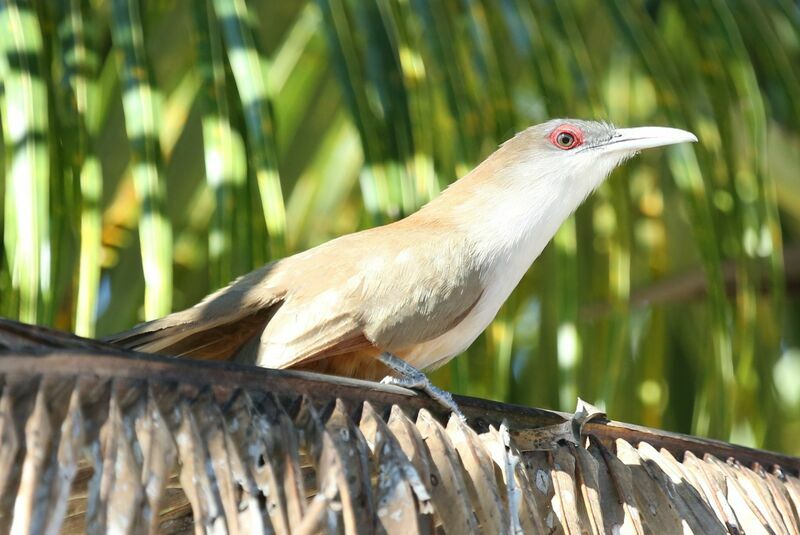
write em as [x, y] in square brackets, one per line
[646, 137]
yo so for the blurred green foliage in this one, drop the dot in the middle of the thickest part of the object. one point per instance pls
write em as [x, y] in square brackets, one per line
[155, 150]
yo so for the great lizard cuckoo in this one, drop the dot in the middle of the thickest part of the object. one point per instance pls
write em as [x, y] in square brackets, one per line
[412, 294]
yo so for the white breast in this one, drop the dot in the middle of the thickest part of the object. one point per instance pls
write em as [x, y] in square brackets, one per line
[510, 236]
[501, 277]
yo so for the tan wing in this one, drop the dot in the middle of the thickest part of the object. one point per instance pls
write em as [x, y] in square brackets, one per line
[379, 290]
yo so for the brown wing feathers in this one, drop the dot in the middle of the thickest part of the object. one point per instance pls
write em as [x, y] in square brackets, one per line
[212, 340]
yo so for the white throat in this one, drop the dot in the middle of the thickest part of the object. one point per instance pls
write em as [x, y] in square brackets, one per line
[512, 204]
[509, 220]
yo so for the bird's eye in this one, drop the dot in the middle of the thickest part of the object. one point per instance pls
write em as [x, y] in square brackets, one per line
[566, 137]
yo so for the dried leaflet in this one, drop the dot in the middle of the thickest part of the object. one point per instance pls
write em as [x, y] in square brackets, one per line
[780, 499]
[756, 495]
[401, 498]
[309, 428]
[529, 519]
[121, 491]
[19, 394]
[68, 460]
[565, 499]
[586, 468]
[792, 486]
[9, 444]
[197, 480]
[410, 472]
[267, 461]
[698, 472]
[457, 517]
[287, 463]
[52, 401]
[413, 446]
[239, 445]
[587, 479]
[357, 507]
[322, 471]
[747, 515]
[84, 502]
[210, 422]
[38, 443]
[480, 469]
[537, 466]
[332, 486]
[159, 455]
[753, 483]
[690, 505]
[657, 512]
[293, 487]
[497, 443]
[618, 505]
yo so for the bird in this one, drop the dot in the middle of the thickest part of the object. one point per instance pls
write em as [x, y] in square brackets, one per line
[393, 301]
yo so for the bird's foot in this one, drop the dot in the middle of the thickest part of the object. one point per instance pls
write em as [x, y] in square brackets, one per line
[411, 377]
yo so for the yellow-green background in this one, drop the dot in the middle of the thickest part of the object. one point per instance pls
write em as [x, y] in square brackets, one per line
[155, 150]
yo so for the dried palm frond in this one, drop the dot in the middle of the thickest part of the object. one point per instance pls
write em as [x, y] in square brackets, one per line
[93, 440]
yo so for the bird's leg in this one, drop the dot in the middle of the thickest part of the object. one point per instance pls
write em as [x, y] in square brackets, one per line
[410, 377]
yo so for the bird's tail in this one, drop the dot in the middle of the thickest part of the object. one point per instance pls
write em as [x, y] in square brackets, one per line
[214, 329]
[182, 334]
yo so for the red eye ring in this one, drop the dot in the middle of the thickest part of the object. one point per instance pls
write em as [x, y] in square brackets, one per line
[566, 137]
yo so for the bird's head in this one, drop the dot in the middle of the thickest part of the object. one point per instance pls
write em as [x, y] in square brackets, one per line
[536, 179]
[574, 156]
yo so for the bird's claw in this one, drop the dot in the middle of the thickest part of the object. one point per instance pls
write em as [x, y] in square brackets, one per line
[412, 378]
